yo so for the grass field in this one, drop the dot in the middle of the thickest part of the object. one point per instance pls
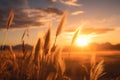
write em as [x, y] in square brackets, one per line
[76, 62]
[46, 61]
[111, 63]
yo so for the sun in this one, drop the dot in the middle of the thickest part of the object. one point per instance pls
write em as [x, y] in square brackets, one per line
[82, 41]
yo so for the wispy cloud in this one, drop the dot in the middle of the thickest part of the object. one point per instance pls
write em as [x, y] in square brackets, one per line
[77, 13]
[52, 1]
[70, 2]
[34, 17]
[102, 22]
[92, 30]
[96, 30]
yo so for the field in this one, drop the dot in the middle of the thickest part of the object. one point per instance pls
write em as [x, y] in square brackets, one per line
[111, 63]
[47, 61]
[78, 62]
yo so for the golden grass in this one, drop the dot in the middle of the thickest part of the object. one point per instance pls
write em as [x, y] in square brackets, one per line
[37, 51]
[59, 28]
[75, 36]
[47, 42]
[26, 32]
[42, 63]
[10, 19]
[61, 24]
[97, 71]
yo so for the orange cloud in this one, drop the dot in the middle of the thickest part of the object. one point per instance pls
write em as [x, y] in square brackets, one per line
[70, 2]
[52, 0]
[77, 13]
[34, 17]
[92, 30]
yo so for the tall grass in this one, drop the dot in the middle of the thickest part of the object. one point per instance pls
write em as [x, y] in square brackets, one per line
[47, 42]
[77, 32]
[59, 28]
[40, 64]
[8, 24]
[96, 70]
[10, 19]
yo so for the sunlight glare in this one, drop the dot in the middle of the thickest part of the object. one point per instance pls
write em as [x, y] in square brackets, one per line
[82, 41]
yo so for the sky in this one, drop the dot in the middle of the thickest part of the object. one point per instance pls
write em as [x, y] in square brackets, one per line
[99, 18]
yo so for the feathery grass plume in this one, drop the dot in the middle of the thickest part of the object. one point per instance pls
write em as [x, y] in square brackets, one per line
[85, 69]
[24, 50]
[77, 32]
[26, 32]
[37, 58]
[97, 71]
[59, 29]
[37, 51]
[23, 35]
[47, 42]
[10, 19]
[58, 61]
[75, 36]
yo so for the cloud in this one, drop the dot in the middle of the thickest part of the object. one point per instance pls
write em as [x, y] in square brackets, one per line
[52, 1]
[101, 22]
[92, 30]
[14, 4]
[96, 30]
[33, 17]
[53, 10]
[77, 13]
[70, 2]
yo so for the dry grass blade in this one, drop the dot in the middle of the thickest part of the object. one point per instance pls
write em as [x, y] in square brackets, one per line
[59, 29]
[47, 42]
[59, 62]
[26, 32]
[75, 36]
[24, 50]
[23, 35]
[97, 71]
[10, 19]
[23, 46]
[37, 51]
[77, 32]
[85, 69]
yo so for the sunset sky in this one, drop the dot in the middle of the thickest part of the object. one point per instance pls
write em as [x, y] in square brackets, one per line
[99, 19]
